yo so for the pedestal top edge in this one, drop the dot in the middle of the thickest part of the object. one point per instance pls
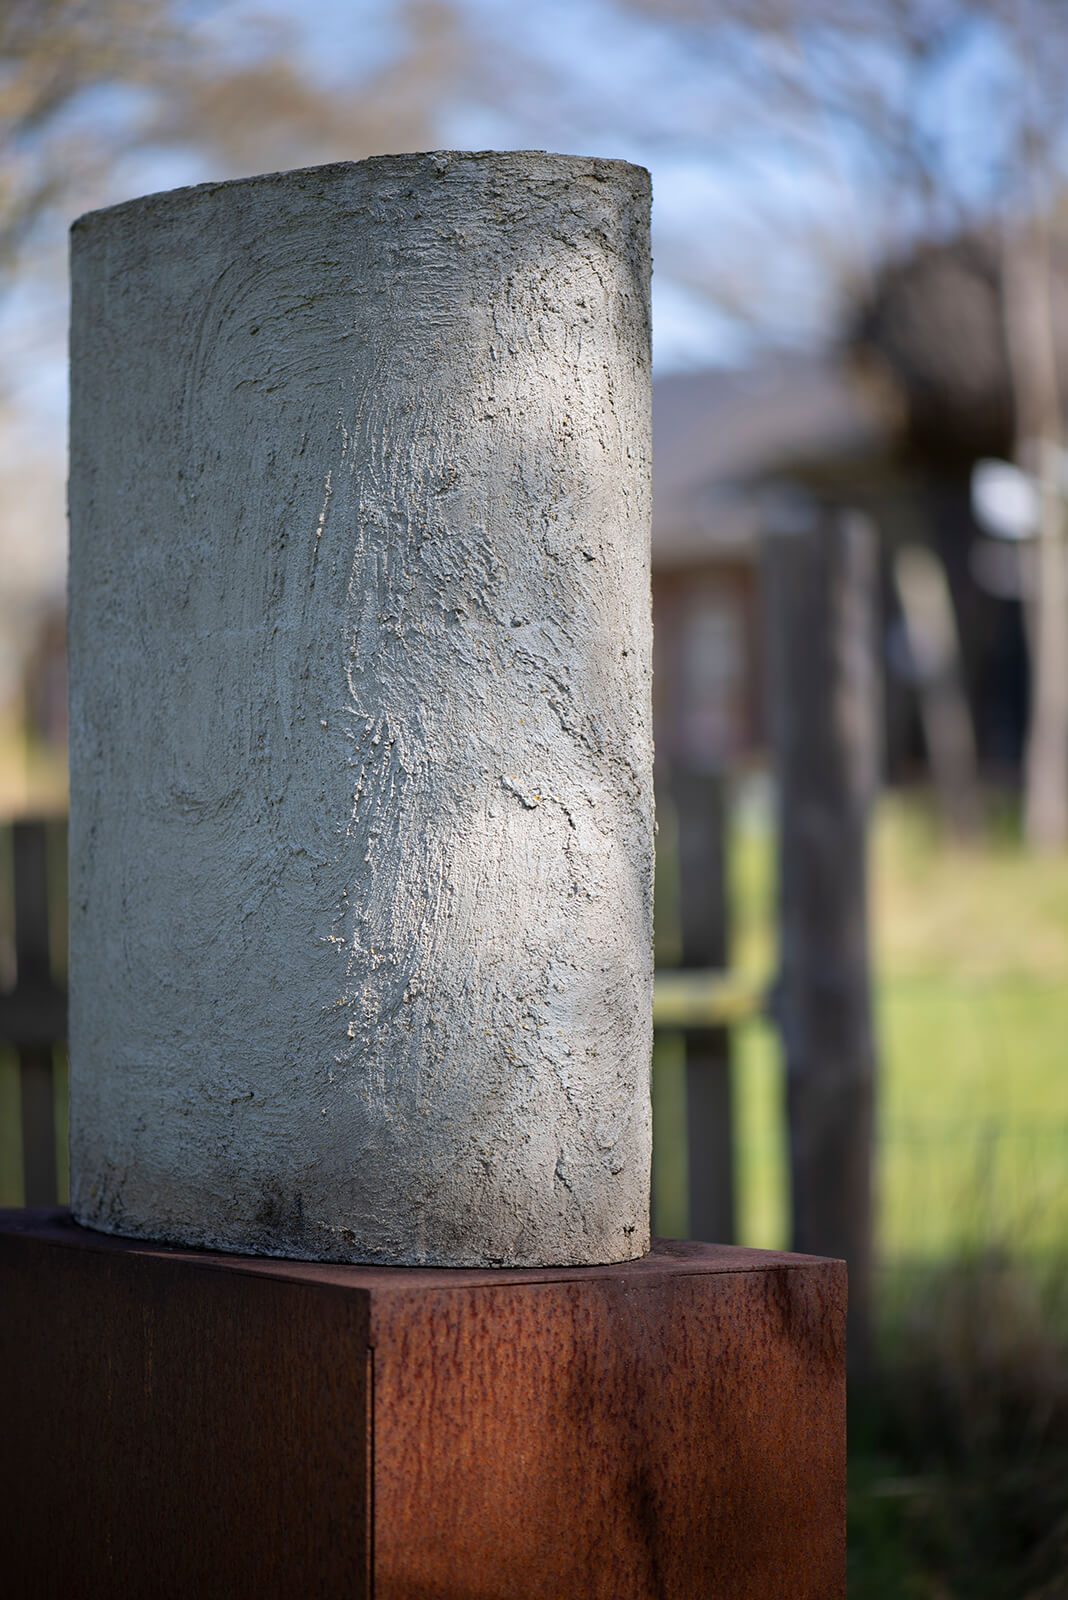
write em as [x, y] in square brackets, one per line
[525, 163]
[667, 1258]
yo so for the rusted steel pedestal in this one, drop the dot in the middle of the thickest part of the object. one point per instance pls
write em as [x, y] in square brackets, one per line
[177, 1424]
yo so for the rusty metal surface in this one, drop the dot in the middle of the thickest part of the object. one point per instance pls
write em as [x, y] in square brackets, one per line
[669, 1257]
[673, 1435]
[673, 1427]
[167, 1431]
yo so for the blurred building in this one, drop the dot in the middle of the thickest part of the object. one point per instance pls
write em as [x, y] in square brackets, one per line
[722, 442]
[733, 448]
[730, 448]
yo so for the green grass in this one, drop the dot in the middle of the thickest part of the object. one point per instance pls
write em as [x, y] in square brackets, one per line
[971, 995]
[974, 1116]
[959, 1450]
[972, 954]
[11, 1191]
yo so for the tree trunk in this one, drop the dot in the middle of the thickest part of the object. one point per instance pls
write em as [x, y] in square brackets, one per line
[820, 587]
[1039, 437]
[934, 645]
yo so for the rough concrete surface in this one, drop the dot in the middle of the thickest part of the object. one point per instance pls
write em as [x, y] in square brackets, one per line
[361, 788]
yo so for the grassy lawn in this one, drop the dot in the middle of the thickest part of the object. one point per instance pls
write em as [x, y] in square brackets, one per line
[959, 1452]
[973, 1010]
[971, 966]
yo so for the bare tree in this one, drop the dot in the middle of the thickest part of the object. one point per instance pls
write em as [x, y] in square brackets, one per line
[52, 53]
[1028, 296]
[863, 79]
[92, 93]
[1028, 300]
[83, 83]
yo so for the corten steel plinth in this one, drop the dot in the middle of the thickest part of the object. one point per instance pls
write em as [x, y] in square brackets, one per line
[179, 1424]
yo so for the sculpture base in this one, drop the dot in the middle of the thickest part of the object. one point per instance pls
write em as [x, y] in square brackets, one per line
[177, 1423]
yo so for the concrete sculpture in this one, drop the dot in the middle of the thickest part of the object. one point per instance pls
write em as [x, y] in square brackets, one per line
[361, 798]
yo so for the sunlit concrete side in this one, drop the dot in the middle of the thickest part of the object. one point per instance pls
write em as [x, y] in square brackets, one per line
[361, 960]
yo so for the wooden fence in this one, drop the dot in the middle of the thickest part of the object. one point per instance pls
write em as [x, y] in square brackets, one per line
[33, 997]
[698, 1000]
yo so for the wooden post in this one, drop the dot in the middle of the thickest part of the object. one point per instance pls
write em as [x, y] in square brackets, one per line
[820, 585]
[700, 811]
[33, 976]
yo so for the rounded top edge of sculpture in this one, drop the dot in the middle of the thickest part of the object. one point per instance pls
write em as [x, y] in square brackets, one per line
[509, 163]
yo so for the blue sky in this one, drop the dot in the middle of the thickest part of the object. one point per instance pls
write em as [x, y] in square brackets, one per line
[778, 225]
[585, 43]
[788, 220]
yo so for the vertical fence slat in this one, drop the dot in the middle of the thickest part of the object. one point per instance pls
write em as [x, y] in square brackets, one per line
[33, 970]
[699, 798]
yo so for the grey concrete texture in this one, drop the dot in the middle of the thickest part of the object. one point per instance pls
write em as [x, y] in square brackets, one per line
[361, 756]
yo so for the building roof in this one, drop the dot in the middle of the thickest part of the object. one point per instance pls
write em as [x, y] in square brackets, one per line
[719, 436]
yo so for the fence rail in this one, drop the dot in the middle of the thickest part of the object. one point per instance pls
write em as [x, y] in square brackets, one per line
[941, 1181]
[33, 998]
[685, 999]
